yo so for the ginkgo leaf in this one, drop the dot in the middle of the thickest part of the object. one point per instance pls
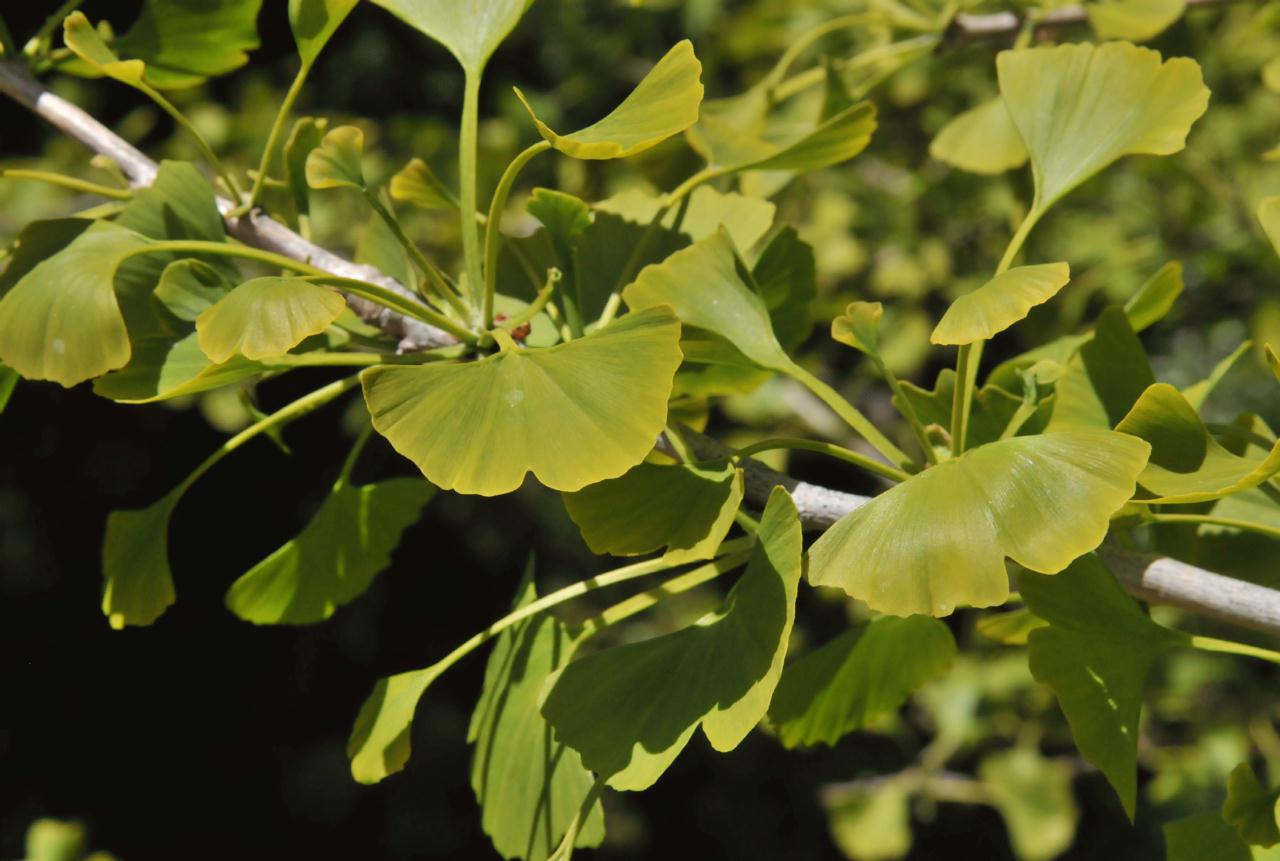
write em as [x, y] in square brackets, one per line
[1204, 837]
[187, 288]
[993, 408]
[663, 104]
[379, 742]
[938, 540]
[163, 368]
[87, 44]
[1187, 464]
[267, 317]
[865, 672]
[334, 558]
[1095, 654]
[416, 183]
[529, 786]
[1135, 20]
[61, 320]
[1033, 795]
[336, 163]
[572, 414]
[314, 22]
[981, 140]
[871, 822]
[1269, 217]
[785, 274]
[138, 585]
[684, 508]
[720, 138]
[630, 710]
[184, 43]
[1080, 107]
[1155, 298]
[1011, 628]
[1104, 379]
[1001, 302]
[1197, 393]
[1251, 809]
[471, 29]
[859, 327]
[8, 382]
[307, 135]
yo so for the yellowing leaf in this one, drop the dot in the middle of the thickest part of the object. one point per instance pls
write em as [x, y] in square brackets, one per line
[859, 327]
[981, 140]
[416, 183]
[1078, 108]
[938, 540]
[266, 317]
[471, 29]
[337, 161]
[1001, 302]
[1136, 20]
[572, 414]
[663, 104]
[87, 44]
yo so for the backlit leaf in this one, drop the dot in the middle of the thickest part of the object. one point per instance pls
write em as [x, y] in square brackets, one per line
[1155, 298]
[379, 742]
[267, 317]
[1080, 107]
[572, 414]
[416, 183]
[865, 672]
[87, 44]
[314, 22]
[471, 29]
[138, 585]
[981, 140]
[630, 710]
[871, 823]
[337, 162]
[1135, 20]
[663, 104]
[1033, 794]
[938, 540]
[183, 42]
[334, 558]
[1001, 302]
[1250, 808]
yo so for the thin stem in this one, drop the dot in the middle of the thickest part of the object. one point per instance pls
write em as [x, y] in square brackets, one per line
[907, 410]
[468, 141]
[564, 852]
[349, 463]
[851, 415]
[535, 307]
[829, 449]
[492, 233]
[1213, 644]
[813, 77]
[277, 127]
[439, 287]
[644, 600]
[68, 182]
[396, 302]
[808, 39]
[233, 188]
[1211, 520]
[351, 359]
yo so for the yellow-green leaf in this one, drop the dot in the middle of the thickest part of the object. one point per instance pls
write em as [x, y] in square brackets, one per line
[1033, 794]
[314, 22]
[87, 44]
[981, 140]
[859, 327]
[1269, 217]
[337, 161]
[1251, 809]
[1001, 302]
[266, 317]
[572, 414]
[938, 540]
[417, 184]
[1080, 107]
[379, 743]
[663, 104]
[471, 29]
[1136, 20]
[162, 368]
[138, 585]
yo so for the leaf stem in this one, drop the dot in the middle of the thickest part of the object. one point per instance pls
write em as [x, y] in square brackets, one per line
[852, 416]
[68, 182]
[492, 231]
[830, 449]
[907, 410]
[439, 287]
[468, 140]
[233, 188]
[1229, 522]
[1228, 647]
[286, 108]
[349, 463]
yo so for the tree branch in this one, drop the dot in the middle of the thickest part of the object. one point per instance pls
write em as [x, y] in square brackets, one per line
[1156, 579]
[966, 27]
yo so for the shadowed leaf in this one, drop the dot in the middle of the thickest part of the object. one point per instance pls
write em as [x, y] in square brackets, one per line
[314, 22]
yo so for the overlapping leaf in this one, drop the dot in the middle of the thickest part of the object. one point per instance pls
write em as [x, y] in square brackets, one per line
[163, 368]
[471, 29]
[266, 317]
[1104, 379]
[184, 42]
[1136, 20]
[983, 139]
[1251, 809]
[336, 163]
[314, 22]
[1001, 302]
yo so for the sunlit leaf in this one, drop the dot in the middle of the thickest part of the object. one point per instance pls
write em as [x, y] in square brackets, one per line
[1156, 297]
[314, 22]
[981, 140]
[87, 44]
[721, 140]
[1095, 655]
[1187, 464]
[993, 408]
[1204, 837]
[337, 162]
[572, 414]
[138, 585]
[630, 710]
[529, 786]
[267, 317]
[1080, 107]
[1033, 794]
[8, 382]
[861, 674]
[859, 327]
[938, 540]
[663, 104]
[1135, 20]
[1251, 809]
[471, 29]
[334, 558]
[686, 509]
[416, 183]
[379, 742]
[1001, 302]
[1011, 628]
[163, 368]
[183, 42]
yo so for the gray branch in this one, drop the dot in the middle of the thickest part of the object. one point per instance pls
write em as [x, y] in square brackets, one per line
[1157, 579]
[966, 27]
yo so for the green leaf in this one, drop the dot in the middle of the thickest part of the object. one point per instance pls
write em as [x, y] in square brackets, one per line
[267, 317]
[1155, 298]
[61, 320]
[1095, 655]
[417, 184]
[981, 140]
[938, 540]
[306, 137]
[314, 22]
[1104, 380]
[630, 710]
[786, 276]
[471, 29]
[859, 327]
[1033, 794]
[993, 408]
[8, 382]
[1187, 464]
[871, 823]
[1001, 302]
[87, 44]
[1269, 217]
[1251, 809]
[162, 368]
[529, 786]
[565, 218]
[663, 104]
[187, 288]
[184, 42]
[337, 162]
[1011, 628]
[745, 218]
[837, 139]
[138, 585]
[1203, 837]
[865, 672]
[379, 743]
[685, 509]
[1197, 393]
[572, 414]
[1080, 107]
[723, 303]
[334, 558]
[1134, 20]
[55, 840]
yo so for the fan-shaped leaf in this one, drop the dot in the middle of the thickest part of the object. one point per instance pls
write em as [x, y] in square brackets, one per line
[138, 585]
[266, 317]
[938, 540]
[663, 104]
[865, 672]
[1081, 107]
[859, 327]
[686, 509]
[630, 710]
[1104, 379]
[572, 414]
[183, 42]
[1033, 794]
[416, 183]
[188, 288]
[307, 135]
[981, 140]
[334, 558]
[314, 22]
[1001, 302]
[871, 822]
[1251, 809]
[471, 29]
[1136, 20]
[337, 162]
[87, 44]
[379, 743]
